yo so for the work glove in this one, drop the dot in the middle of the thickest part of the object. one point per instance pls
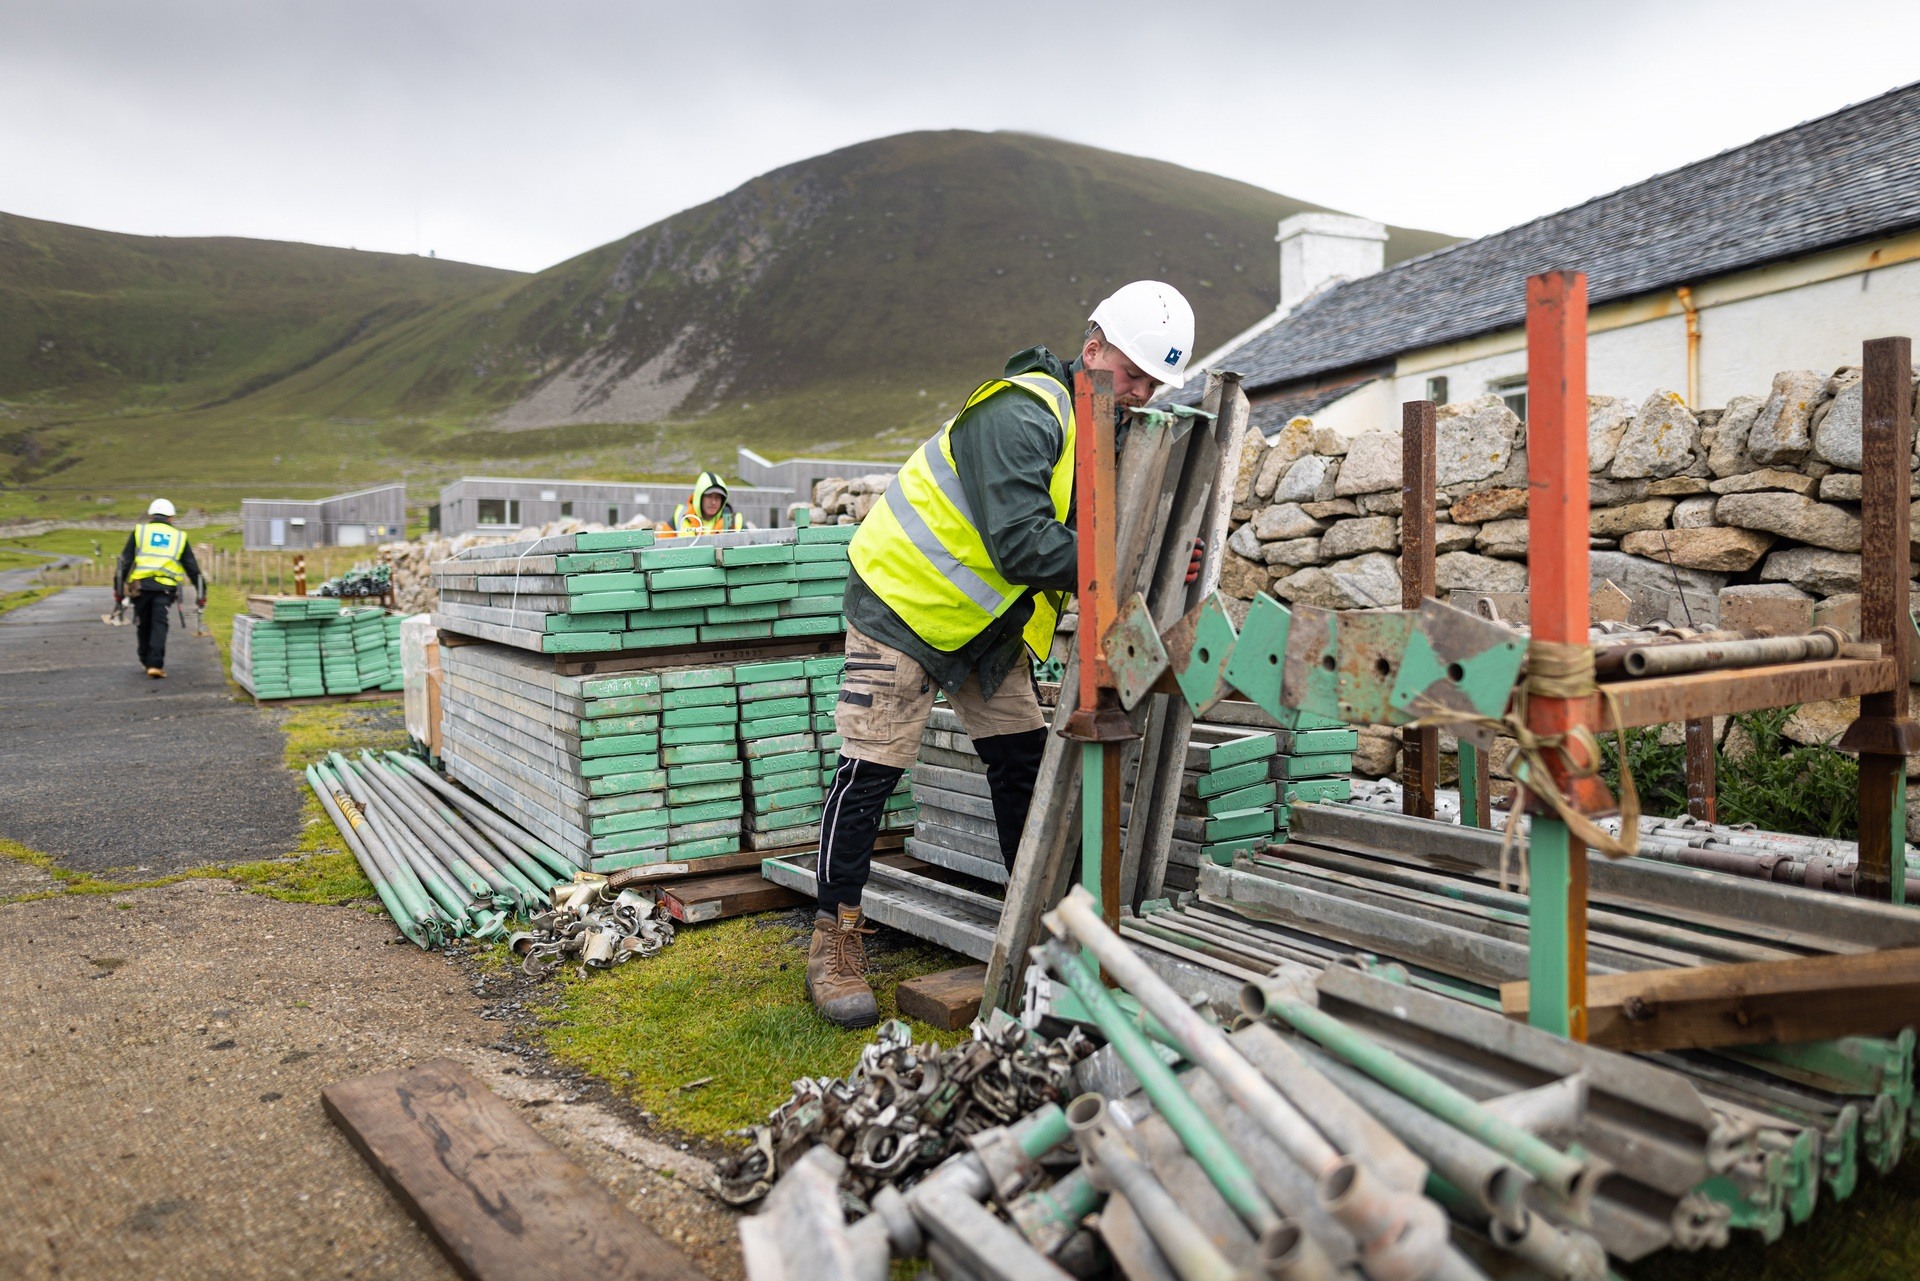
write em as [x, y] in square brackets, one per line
[200, 603]
[1193, 564]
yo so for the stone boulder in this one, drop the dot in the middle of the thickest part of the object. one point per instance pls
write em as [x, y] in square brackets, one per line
[1242, 578]
[1660, 591]
[1724, 550]
[1283, 520]
[1767, 478]
[1504, 539]
[1602, 492]
[1301, 484]
[1294, 440]
[1792, 516]
[1659, 442]
[1607, 420]
[1372, 465]
[1813, 569]
[1253, 452]
[1371, 581]
[1466, 572]
[1727, 454]
[1331, 508]
[1840, 487]
[1293, 553]
[1836, 425]
[1782, 431]
[1612, 522]
[1381, 504]
[1474, 439]
[1448, 537]
[1693, 513]
[1677, 487]
[1329, 443]
[1767, 609]
[1820, 724]
[1364, 534]
[1489, 504]
[1377, 755]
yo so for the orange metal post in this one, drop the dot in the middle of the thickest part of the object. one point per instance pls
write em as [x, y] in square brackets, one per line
[1557, 569]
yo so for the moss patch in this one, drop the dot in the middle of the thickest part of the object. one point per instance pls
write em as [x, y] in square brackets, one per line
[315, 730]
[726, 1001]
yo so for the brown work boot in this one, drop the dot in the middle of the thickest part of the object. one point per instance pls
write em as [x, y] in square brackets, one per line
[156, 672]
[836, 970]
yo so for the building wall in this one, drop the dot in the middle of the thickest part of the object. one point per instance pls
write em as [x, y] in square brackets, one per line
[374, 515]
[541, 501]
[801, 474]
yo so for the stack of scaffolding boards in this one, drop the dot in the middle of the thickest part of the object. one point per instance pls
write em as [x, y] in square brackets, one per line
[954, 826]
[667, 765]
[307, 647]
[629, 590]
[1241, 783]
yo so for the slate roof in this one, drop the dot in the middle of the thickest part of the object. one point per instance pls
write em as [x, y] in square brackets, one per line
[1850, 176]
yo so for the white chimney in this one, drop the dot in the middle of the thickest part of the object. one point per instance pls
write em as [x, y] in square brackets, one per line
[1319, 249]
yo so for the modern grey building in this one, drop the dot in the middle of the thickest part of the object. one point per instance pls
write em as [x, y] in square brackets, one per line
[361, 518]
[800, 475]
[509, 503]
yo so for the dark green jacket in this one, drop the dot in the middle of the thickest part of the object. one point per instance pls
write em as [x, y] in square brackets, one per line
[1004, 450]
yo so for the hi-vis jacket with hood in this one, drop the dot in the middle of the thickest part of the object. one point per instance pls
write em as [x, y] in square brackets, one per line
[687, 518]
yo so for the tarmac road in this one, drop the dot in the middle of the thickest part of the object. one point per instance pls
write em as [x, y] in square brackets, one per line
[107, 769]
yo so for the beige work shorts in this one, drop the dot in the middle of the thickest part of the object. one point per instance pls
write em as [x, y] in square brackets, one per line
[886, 696]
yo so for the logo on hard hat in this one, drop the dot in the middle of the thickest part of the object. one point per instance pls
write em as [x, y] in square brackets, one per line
[1173, 355]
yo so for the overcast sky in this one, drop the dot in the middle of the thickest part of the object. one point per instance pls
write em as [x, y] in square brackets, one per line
[521, 132]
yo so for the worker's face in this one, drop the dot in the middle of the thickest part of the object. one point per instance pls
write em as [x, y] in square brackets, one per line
[1131, 388]
[710, 503]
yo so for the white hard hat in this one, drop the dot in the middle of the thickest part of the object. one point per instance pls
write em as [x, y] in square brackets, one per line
[1153, 324]
[161, 507]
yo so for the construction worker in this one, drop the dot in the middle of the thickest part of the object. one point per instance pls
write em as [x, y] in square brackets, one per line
[706, 510]
[958, 571]
[153, 564]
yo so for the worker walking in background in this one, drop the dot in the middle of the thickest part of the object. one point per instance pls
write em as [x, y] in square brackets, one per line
[706, 510]
[153, 564]
[958, 572]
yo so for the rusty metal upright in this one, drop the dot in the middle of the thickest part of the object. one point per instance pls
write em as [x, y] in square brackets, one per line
[1557, 532]
[1419, 748]
[1098, 723]
[1884, 734]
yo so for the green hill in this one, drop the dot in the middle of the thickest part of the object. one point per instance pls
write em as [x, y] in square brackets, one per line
[844, 302]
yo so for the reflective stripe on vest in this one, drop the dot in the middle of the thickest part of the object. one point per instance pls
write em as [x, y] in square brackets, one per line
[156, 554]
[920, 548]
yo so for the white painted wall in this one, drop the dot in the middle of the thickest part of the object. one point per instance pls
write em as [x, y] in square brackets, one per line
[1743, 343]
[1818, 326]
[1317, 248]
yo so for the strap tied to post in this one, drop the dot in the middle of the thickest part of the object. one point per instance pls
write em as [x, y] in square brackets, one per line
[1558, 670]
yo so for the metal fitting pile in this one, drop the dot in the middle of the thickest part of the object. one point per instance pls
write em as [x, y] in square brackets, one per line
[905, 1107]
[590, 925]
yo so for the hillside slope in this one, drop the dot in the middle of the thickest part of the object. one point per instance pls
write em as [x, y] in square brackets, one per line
[919, 259]
[187, 320]
[843, 302]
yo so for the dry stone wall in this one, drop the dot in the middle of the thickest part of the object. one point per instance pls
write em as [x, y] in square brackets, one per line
[1748, 513]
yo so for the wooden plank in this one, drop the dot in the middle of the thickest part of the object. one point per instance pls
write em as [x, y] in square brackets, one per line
[1663, 700]
[948, 1000]
[1809, 998]
[502, 1201]
[717, 898]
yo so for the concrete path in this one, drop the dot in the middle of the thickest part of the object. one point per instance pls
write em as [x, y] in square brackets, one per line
[109, 770]
[160, 1087]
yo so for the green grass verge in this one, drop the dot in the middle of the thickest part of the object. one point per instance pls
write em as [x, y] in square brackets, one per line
[1874, 1235]
[14, 600]
[726, 1001]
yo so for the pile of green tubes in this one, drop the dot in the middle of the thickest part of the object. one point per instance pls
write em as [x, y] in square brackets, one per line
[444, 865]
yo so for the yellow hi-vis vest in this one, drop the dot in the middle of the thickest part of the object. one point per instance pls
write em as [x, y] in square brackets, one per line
[920, 548]
[156, 554]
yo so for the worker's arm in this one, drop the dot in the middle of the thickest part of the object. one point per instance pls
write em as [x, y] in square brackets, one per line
[192, 566]
[1004, 451]
[122, 568]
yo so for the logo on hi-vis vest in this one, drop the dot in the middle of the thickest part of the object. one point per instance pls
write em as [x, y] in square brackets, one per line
[156, 539]
[1173, 355]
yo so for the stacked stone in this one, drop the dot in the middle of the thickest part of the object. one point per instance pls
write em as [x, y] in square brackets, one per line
[1751, 509]
[837, 501]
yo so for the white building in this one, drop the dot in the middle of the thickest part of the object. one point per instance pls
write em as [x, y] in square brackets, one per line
[1786, 253]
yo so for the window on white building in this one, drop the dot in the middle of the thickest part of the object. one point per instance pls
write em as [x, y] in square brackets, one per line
[498, 511]
[1513, 391]
[1437, 389]
[613, 515]
[566, 508]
